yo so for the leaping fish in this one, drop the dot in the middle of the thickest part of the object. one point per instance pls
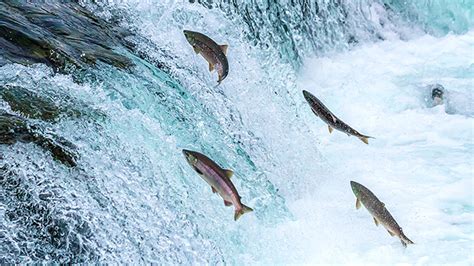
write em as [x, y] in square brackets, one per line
[214, 54]
[321, 111]
[219, 180]
[377, 209]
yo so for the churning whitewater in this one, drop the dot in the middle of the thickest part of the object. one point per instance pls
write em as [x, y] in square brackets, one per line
[114, 133]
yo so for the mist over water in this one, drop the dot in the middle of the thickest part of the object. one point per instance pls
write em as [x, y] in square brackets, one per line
[123, 113]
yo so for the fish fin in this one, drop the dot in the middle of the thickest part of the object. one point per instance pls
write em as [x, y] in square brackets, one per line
[228, 173]
[334, 118]
[211, 67]
[214, 190]
[392, 234]
[314, 112]
[227, 203]
[405, 240]
[224, 48]
[376, 222]
[196, 49]
[330, 129]
[357, 204]
[240, 212]
[365, 140]
[403, 243]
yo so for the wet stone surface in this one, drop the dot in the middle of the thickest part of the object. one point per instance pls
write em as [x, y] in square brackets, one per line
[15, 128]
[62, 36]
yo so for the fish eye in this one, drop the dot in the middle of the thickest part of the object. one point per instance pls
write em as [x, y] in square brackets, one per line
[192, 159]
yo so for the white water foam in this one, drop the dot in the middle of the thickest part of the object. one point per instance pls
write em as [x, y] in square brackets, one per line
[420, 164]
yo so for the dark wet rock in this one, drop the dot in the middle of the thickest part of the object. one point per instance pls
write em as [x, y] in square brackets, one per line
[60, 35]
[69, 38]
[59, 151]
[15, 128]
[40, 106]
[29, 104]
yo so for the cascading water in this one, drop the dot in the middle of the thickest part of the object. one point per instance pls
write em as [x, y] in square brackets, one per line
[98, 100]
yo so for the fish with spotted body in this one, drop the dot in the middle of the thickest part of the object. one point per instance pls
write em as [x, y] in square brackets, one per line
[377, 209]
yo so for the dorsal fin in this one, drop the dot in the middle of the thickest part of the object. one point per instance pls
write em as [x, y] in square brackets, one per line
[224, 48]
[228, 173]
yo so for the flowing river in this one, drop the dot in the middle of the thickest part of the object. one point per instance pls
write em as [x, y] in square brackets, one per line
[97, 101]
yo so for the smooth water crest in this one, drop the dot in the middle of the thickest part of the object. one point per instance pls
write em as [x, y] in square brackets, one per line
[98, 100]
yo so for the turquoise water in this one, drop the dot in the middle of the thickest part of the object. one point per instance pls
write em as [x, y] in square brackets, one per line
[132, 198]
[437, 17]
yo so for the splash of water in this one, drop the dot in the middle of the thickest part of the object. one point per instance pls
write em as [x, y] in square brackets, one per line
[132, 198]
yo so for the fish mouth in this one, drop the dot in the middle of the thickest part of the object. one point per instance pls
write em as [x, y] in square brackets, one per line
[188, 35]
[189, 157]
[307, 95]
[186, 152]
[355, 187]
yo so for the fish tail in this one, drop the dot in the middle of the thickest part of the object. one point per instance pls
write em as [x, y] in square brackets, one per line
[365, 139]
[241, 211]
[405, 240]
[218, 83]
